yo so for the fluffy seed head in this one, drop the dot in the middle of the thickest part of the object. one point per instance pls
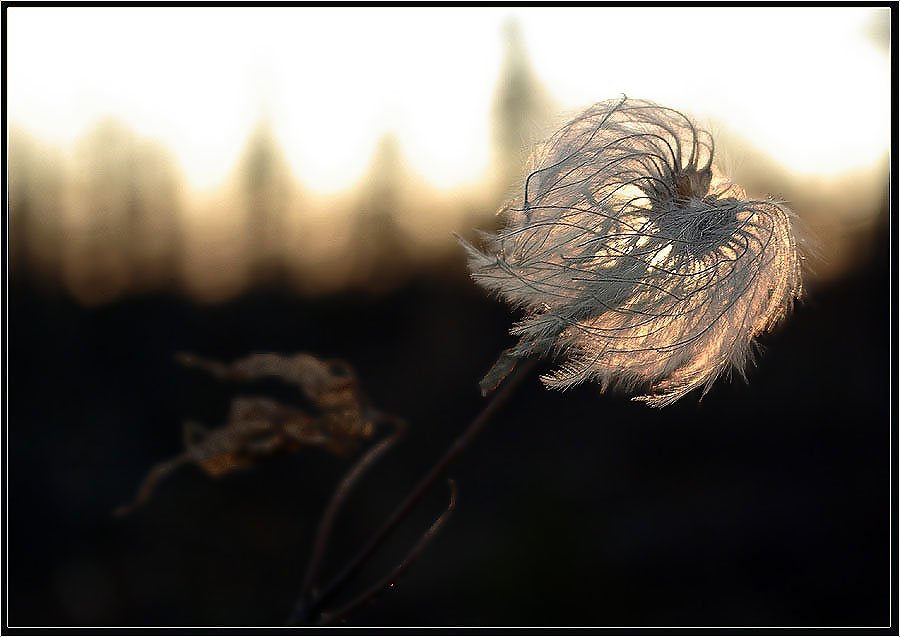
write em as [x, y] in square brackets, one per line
[638, 265]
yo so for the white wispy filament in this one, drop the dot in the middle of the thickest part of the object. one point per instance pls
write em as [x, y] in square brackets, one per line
[638, 265]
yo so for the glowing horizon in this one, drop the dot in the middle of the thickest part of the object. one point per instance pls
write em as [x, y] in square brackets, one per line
[333, 82]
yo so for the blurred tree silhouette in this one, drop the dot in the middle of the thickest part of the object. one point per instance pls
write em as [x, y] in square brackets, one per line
[267, 190]
[378, 243]
[122, 223]
[521, 110]
[36, 183]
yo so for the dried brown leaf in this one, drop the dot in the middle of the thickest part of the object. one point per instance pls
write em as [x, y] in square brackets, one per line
[259, 428]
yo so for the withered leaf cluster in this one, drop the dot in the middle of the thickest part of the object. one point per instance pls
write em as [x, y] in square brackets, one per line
[338, 417]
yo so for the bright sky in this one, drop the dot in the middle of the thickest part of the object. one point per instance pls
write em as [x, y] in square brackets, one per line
[808, 85]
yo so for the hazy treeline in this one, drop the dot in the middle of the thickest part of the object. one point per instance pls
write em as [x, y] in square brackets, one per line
[114, 214]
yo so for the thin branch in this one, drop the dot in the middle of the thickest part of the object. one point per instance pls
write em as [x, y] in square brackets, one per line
[326, 523]
[157, 473]
[497, 401]
[391, 578]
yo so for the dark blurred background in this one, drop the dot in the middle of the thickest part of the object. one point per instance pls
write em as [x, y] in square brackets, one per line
[763, 504]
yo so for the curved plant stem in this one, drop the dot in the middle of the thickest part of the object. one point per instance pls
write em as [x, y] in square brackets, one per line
[305, 613]
[343, 489]
[388, 581]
